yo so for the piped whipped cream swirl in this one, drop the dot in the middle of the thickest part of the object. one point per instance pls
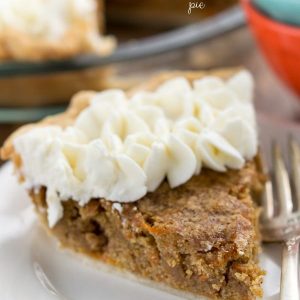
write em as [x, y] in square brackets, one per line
[120, 149]
[47, 19]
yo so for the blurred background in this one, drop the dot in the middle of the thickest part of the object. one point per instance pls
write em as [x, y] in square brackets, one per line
[158, 35]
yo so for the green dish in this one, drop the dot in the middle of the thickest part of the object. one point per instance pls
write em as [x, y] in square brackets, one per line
[25, 115]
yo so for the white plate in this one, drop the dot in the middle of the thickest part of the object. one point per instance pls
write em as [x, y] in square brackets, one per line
[32, 266]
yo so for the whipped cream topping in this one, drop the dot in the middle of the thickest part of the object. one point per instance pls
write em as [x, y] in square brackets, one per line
[44, 18]
[120, 148]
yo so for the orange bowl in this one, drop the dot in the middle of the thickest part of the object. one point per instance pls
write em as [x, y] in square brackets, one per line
[279, 42]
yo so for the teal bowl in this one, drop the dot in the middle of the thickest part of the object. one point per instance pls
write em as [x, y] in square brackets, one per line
[286, 11]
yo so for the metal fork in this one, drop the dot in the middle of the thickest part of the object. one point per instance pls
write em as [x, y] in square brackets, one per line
[280, 220]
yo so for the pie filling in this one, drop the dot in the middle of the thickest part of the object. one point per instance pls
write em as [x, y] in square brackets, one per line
[201, 237]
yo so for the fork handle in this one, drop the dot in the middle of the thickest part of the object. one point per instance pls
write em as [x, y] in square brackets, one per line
[289, 283]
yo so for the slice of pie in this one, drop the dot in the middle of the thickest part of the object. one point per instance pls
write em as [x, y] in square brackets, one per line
[52, 29]
[159, 182]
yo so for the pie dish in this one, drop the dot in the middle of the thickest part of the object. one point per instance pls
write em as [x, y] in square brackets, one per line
[43, 30]
[195, 231]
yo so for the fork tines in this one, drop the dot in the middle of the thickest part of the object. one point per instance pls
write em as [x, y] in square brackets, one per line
[281, 203]
[294, 151]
